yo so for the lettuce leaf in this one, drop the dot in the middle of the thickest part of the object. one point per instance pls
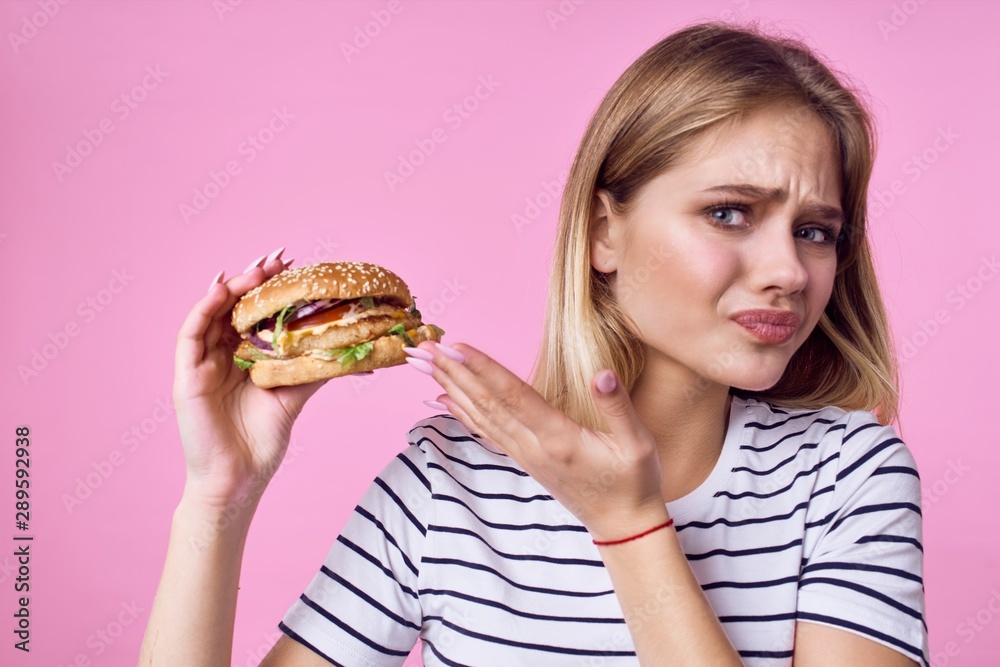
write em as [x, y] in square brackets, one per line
[243, 363]
[413, 308]
[367, 302]
[278, 324]
[348, 355]
[400, 330]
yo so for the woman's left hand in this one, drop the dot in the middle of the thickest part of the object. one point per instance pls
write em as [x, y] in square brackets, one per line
[609, 481]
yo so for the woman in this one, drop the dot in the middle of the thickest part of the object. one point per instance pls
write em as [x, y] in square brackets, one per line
[693, 476]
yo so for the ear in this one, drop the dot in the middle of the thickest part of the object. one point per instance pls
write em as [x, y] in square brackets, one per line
[603, 236]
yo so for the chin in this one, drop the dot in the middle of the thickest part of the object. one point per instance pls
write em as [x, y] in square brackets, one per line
[754, 375]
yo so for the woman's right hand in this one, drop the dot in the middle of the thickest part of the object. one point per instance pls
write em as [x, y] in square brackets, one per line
[234, 433]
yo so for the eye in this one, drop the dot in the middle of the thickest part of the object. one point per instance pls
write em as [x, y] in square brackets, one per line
[728, 211]
[828, 235]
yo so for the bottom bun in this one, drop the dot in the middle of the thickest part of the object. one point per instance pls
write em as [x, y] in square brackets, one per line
[386, 351]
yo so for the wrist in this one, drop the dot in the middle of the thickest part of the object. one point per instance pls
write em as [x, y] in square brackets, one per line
[224, 513]
[626, 527]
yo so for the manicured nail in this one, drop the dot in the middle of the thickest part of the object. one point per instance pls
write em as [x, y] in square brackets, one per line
[420, 365]
[257, 262]
[448, 352]
[216, 280]
[418, 353]
[274, 255]
[289, 262]
[607, 383]
[436, 405]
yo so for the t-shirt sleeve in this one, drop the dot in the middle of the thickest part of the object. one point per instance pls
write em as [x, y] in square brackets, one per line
[865, 573]
[362, 607]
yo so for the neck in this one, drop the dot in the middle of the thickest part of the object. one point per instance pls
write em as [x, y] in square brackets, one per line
[689, 421]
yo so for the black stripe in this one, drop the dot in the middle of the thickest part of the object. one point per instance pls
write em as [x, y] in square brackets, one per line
[462, 438]
[367, 598]
[744, 552]
[510, 526]
[473, 466]
[376, 562]
[821, 618]
[869, 509]
[766, 448]
[523, 587]
[887, 470]
[865, 567]
[768, 427]
[351, 631]
[744, 522]
[491, 496]
[868, 455]
[750, 584]
[863, 590]
[441, 657]
[801, 473]
[409, 464]
[538, 647]
[890, 538]
[766, 654]
[808, 445]
[544, 559]
[762, 618]
[294, 635]
[409, 515]
[388, 536]
[516, 612]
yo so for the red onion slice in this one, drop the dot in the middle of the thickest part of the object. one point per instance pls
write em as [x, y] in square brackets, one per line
[259, 342]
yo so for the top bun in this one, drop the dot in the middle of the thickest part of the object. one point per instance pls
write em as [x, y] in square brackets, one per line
[326, 280]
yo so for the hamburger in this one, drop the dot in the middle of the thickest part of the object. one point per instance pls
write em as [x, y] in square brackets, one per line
[325, 320]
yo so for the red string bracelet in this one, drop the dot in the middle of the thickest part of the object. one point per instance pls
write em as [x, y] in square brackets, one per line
[635, 537]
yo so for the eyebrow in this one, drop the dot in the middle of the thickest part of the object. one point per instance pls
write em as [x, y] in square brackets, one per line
[758, 192]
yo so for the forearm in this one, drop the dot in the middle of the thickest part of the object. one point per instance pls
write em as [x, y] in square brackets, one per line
[191, 622]
[667, 613]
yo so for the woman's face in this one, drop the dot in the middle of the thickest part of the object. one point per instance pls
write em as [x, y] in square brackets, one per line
[692, 253]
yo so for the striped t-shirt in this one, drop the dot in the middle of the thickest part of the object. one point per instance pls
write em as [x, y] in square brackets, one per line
[807, 514]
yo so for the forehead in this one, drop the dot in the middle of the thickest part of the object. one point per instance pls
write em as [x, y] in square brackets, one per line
[775, 147]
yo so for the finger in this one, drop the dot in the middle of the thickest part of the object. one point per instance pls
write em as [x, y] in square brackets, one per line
[464, 417]
[191, 337]
[498, 419]
[495, 389]
[243, 283]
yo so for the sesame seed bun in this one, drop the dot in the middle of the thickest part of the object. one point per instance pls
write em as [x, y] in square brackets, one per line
[326, 280]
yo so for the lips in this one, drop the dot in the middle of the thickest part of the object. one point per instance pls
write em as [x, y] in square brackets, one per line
[769, 325]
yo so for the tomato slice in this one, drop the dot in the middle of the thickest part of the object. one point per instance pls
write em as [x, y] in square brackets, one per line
[317, 319]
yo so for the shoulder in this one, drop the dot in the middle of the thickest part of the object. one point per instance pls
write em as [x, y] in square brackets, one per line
[445, 442]
[856, 436]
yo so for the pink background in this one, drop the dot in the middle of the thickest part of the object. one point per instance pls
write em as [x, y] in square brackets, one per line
[110, 230]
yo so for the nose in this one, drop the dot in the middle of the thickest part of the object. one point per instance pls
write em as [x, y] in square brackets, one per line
[775, 262]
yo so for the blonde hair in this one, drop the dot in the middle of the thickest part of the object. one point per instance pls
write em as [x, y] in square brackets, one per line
[702, 77]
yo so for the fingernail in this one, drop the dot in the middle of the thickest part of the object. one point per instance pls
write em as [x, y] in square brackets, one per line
[289, 262]
[420, 365]
[253, 265]
[274, 255]
[606, 383]
[449, 352]
[216, 280]
[436, 405]
[418, 353]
